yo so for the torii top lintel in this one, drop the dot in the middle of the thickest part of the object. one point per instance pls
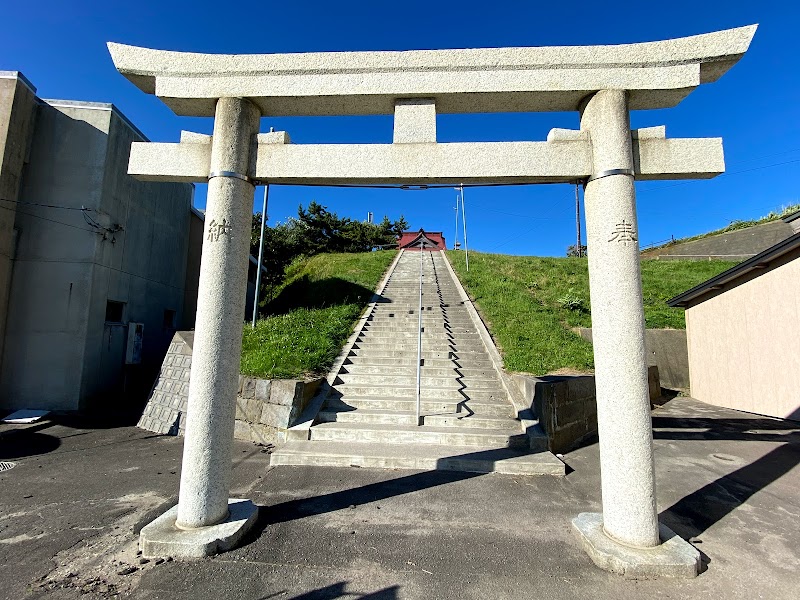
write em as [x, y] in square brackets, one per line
[551, 78]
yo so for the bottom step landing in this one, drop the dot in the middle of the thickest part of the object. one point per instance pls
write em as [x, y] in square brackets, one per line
[420, 457]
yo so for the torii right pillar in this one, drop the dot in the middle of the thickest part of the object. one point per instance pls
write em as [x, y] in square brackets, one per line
[626, 538]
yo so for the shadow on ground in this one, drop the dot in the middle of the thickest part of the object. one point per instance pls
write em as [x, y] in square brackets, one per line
[338, 590]
[696, 512]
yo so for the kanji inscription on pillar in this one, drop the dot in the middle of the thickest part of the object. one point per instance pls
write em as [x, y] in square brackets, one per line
[217, 230]
[624, 232]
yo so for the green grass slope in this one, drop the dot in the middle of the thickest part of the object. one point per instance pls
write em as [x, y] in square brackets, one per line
[530, 303]
[312, 315]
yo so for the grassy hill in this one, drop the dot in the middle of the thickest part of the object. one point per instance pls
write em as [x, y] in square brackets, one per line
[529, 304]
[312, 314]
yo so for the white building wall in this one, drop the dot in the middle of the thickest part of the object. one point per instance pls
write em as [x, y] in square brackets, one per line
[744, 347]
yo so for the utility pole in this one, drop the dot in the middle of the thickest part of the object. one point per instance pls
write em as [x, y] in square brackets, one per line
[578, 219]
[260, 254]
[455, 235]
[464, 215]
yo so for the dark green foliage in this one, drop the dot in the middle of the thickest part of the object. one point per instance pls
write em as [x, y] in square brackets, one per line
[316, 231]
[573, 250]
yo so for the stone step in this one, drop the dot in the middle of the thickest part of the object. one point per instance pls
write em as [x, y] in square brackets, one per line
[429, 358]
[504, 461]
[430, 297]
[392, 324]
[394, 379]
[412, 318]
[430, 300]
[409, 418]
[428, 407]
[428, 369]
[473, 422]
[412, 321]
[429, 350]
[369, 416]
[404, 362]
[409, 345]
[432, 340]
[388, 434]
[394, 333]
[428, 393]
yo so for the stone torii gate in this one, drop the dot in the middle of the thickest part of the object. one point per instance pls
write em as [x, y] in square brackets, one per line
[603, 83]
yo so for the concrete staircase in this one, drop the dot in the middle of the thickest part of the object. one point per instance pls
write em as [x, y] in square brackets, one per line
[467, 420]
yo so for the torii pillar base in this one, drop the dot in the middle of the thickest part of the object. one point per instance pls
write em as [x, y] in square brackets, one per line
[163, 537]
[673, 557]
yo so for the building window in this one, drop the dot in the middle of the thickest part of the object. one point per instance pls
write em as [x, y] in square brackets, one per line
[169, 319]
[115, 311]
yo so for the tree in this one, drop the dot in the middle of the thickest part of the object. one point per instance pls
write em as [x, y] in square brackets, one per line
[573, 250]
[314, 231]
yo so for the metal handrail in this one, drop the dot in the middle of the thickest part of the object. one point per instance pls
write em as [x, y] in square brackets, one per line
[419, 338]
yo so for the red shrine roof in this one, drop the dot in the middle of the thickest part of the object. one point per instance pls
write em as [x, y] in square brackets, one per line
[430, 240]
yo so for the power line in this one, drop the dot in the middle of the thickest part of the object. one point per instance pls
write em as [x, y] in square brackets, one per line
[82, 208]
[728, 174]
[516, 237]
[84, 213]
[50, 220]
[767, 156]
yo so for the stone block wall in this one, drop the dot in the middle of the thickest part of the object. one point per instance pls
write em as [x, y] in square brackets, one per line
[566, 405]
[165, 411]
[265, 408]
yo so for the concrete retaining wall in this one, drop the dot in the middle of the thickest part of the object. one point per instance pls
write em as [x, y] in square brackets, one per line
[735, 245]
[566, 405]
[265, 408]
[666, 349]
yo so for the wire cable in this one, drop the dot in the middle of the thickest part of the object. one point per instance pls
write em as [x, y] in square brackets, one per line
[51, 220]
[82, 208]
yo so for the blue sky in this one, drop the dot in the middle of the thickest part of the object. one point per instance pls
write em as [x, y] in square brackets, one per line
[755, 108]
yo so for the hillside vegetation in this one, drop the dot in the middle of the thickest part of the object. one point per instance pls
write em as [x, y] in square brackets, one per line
[530, 303]
[312, 314]
[734, 226]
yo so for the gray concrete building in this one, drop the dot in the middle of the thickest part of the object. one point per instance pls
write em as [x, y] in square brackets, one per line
[93, 263]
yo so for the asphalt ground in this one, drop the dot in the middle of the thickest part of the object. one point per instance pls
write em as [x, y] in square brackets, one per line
[70, 508]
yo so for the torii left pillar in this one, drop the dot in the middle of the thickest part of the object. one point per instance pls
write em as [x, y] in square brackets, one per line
[206, 521]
